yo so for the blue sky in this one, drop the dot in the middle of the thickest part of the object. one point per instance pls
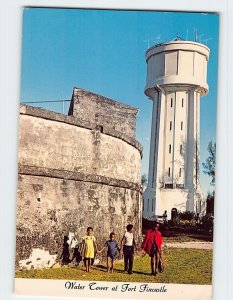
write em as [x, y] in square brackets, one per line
[104, 52]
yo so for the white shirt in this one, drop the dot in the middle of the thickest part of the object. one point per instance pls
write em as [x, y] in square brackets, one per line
[128, 238]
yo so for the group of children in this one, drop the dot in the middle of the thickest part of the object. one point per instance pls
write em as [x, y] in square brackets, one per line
[88, 249]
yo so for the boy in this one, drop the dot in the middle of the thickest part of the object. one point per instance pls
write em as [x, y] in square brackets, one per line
[112, 248]
[128, 245]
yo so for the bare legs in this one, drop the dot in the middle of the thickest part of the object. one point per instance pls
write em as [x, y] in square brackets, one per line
[109, 264]
[154, 263]
[87, 263]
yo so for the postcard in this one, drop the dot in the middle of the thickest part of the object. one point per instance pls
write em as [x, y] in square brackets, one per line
[116, 167]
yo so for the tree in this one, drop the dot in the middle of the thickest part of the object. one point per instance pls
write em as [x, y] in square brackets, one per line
[209, 164]
[144, 180]
[210, 203]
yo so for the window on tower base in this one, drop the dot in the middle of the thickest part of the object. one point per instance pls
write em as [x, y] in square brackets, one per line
[168, 185]
[173, 186]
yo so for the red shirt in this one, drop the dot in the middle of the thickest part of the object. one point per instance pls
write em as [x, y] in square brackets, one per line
[151, 237]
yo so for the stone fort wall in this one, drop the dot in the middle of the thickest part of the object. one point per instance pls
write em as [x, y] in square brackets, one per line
[72, 174]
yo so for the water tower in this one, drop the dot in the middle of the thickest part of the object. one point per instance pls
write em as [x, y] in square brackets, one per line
[176, 79]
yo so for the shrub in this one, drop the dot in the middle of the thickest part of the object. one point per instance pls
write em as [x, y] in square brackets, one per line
[208, 222]
[187, 216]
[188, 223]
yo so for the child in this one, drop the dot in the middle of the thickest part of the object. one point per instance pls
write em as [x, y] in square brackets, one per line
[152, 246]
[89, 248]
[76, 252]
[65, 256]
[112, 248]
[128, 245]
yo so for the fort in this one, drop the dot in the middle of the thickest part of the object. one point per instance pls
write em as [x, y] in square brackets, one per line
[77, 170]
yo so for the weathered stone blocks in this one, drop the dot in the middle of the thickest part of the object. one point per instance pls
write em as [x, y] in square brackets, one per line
[74, 173]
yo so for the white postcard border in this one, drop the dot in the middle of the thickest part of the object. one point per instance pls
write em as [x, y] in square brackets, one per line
[10, 55]
[113, 290]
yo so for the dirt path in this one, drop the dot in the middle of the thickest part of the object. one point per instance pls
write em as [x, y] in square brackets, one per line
[191, 245]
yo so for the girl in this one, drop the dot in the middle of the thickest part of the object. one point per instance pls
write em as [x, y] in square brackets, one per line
[89, 248]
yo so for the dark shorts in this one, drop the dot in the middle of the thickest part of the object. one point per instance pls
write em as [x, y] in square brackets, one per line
[153, 251]
[112, 256]
[128, 250]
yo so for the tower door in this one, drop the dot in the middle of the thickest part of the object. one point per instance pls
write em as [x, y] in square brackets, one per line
[173, 214]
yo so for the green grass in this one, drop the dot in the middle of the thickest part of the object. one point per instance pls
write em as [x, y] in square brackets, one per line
[174, 236]
[181, 238]
[182, 266]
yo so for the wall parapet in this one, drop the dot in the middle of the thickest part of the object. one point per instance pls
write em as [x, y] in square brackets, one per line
[71, 120]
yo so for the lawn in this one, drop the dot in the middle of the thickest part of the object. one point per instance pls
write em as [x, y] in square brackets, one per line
[183, 266]
[177, 237]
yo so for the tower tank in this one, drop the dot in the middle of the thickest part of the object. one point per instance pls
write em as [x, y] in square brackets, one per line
[176, 79]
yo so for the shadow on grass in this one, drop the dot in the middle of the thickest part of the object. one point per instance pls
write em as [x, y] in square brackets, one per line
[100, 268]
[117, 270]
[104, 269]
[141, 273]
